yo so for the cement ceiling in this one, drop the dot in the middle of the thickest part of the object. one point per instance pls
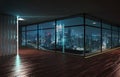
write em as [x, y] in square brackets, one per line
[50, 9]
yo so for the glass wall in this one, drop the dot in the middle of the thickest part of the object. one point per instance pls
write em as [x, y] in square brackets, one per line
[114, 36]
[83, 35]
[106, 39]
[31, 36]
[23, 39]
[106, 36]
[47, 36]
[92, 40]
[92, 35]
[47, 39]
[119, 36]
[31, 39]
[70, 35]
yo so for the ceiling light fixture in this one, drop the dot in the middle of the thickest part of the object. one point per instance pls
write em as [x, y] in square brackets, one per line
[20, 19]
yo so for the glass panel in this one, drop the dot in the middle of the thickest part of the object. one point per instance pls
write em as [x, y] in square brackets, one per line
[74, 39]
[93, 40]
[106, 39]
[47, 25]
[92, 22]
[71, 21]
[23, 28]
[60, 38]
[107, 26]
[70, 39]
[114, 28]
[32, 39]
[114, 39]
[47, 39]
[32, 27]
[23, 39]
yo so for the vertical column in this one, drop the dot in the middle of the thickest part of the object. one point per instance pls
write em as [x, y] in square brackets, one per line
[111, 36]
[118, 36]
[37, 36]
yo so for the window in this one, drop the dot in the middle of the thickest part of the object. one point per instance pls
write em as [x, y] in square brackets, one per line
[32, 27]
[47, 39]
[74, 39]
[71, 21]
[114, 28]
[23, 28]
[23, 39]
[93, 40]
[106, 26]
[114, 39]
[47, 25]
[106, 39]
[92, 22]
[31, 39]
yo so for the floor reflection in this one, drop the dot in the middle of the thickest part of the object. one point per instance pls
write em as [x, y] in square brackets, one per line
[19, 68]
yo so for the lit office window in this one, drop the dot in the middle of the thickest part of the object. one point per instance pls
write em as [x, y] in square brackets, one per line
[93, 40]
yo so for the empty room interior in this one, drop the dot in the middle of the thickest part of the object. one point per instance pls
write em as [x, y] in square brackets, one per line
[65, 38]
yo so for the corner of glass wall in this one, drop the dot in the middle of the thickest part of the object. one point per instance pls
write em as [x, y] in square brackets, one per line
[92, 35]
[70, 35]
[82, 35]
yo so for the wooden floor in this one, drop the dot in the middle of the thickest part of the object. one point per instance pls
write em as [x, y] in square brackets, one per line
[34, 63]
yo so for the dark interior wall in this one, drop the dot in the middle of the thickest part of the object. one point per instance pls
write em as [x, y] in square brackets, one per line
[8, 32]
